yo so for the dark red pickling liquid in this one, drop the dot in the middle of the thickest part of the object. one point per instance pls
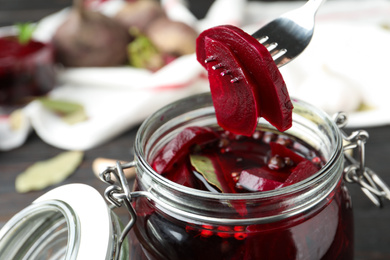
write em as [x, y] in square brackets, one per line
[270, 161]
[262, 162]
[25, 70]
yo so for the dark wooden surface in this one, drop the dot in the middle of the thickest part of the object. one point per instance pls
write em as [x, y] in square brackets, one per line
[372, 225]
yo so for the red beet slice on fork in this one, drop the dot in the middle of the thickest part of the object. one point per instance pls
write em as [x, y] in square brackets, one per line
[239, 114]
[243, 74]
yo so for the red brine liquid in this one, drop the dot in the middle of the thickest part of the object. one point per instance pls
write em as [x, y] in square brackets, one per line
[218, 161]
[26, 70]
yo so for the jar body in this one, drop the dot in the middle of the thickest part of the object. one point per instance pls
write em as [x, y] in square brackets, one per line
[309, 220]
[326, 235]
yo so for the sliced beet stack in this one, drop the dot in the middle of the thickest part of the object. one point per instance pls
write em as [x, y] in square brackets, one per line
[245, 83]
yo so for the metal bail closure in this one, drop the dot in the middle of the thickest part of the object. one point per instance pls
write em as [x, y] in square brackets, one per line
[356, 171]
[118, 194]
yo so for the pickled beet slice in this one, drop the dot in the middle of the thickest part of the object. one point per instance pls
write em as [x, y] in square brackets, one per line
[302, 171]
[252, 180]
[224, 172]
[182, 176]
[250, 79]
[179, 147]
[239, 114]
[267, 173]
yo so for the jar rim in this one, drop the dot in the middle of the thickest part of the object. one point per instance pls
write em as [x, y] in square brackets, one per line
[313, 180]
[179, 199]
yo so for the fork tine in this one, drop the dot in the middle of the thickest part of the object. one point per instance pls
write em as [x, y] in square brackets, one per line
[279, 54]
[279, 57]
[287, 36]
[263, 39]
[270, 47]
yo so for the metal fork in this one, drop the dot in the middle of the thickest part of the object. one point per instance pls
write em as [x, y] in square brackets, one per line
[287, 36]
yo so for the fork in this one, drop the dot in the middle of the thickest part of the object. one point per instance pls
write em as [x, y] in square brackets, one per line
[287, 36]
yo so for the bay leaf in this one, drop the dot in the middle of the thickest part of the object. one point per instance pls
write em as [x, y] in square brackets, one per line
[49, 172]
[205, 167]
[75, 117]
[60, 106]
[70, 112]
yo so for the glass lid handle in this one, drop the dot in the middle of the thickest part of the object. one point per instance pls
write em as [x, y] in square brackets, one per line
[356, 171]
[118, 194]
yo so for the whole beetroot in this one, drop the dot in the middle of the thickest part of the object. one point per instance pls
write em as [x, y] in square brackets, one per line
[172, 37]
[90, 39]
[139, 14]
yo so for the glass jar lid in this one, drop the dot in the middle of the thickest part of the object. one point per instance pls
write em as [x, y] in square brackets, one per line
[69, 222]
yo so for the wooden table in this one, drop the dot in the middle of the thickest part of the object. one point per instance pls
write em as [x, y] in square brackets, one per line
[372, 225]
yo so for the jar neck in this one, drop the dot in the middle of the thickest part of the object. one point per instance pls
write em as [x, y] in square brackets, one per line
[309, 124]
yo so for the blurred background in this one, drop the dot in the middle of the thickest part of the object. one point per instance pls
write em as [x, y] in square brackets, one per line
[346, 66]
[31, 11]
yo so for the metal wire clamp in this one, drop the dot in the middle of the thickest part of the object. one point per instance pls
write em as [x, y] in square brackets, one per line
[118, 193]
[356, 171]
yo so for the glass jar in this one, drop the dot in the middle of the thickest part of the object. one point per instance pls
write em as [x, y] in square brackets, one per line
[311, 219]
[69, 222]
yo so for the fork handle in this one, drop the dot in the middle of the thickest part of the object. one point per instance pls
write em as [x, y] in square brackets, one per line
[313, 5]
